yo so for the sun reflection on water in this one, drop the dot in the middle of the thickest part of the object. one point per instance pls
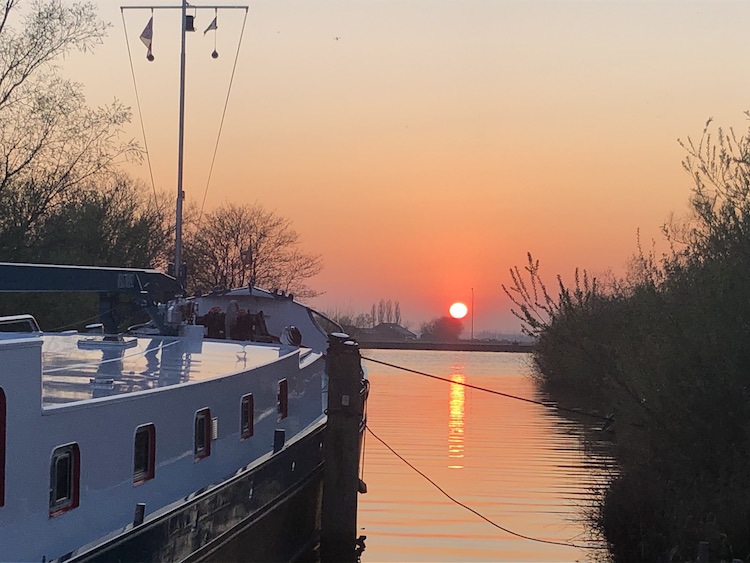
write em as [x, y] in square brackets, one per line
[456, 421]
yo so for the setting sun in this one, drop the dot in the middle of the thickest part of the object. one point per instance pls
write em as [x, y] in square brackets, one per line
[458, 310]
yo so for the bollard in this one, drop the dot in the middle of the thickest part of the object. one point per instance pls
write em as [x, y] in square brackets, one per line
[338, 537]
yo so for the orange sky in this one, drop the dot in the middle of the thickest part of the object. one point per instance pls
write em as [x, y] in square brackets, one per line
[437, 141]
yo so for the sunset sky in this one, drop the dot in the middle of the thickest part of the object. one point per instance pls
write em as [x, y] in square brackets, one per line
[423, 147]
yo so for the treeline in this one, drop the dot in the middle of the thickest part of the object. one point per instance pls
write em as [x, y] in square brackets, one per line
[385, 311]
[665, 353]
[440, 329]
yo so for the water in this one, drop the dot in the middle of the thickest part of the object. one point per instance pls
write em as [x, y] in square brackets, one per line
[518, 464]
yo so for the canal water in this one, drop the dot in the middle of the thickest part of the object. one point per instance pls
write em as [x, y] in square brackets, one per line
[519, 465]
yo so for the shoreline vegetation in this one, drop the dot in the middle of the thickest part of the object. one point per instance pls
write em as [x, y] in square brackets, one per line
[665, 354]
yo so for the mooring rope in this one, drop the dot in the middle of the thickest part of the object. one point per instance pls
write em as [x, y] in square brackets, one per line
[548, 405]
[477, 513]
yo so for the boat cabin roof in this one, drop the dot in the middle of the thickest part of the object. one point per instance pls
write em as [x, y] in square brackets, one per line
[79, 367]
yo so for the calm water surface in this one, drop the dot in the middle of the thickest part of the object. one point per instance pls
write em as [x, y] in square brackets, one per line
[518, 464]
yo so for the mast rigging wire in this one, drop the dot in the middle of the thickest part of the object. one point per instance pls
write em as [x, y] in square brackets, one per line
[223, 113]
[138, 105]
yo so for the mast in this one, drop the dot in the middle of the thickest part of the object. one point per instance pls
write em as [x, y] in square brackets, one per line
[178, 269]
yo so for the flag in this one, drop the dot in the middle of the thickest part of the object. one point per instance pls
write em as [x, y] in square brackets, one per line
[211, 26]
[146, 36]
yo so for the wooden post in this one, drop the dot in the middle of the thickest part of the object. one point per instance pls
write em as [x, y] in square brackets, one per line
[338, 536]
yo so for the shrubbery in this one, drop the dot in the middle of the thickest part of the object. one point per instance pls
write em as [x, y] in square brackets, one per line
[666, 350]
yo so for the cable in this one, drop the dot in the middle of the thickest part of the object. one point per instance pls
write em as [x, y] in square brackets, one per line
[76, 323]
[223, 114]
[509, 396]
[138, 105]
[459, 503]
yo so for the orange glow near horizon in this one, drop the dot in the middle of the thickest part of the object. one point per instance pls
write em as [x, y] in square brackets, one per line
[481, 132]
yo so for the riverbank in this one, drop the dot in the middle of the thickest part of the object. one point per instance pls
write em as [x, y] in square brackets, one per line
[457, 346]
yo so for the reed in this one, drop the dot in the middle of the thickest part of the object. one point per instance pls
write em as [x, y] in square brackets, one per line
[666, 351]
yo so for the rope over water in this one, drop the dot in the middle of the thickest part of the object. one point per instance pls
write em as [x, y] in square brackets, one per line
[608, 420]
[482, 516]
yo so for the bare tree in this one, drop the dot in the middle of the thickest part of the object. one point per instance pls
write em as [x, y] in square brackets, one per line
[397, 313]
[51, 143]
[372, 316]
[236, 245]
[389, 311]
[381, 311]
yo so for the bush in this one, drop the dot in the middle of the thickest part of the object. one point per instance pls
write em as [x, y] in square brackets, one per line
[666, 351]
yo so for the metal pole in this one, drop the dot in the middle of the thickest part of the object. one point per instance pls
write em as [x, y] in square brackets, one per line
[472, 314]
[180, 157]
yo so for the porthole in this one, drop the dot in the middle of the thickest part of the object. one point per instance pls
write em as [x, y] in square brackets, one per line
[202, 434]
[64, 479]
[144, 454]
[247, 415]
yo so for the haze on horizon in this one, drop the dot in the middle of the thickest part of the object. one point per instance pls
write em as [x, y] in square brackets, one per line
[423, 147]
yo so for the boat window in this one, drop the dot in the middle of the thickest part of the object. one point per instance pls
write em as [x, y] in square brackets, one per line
[65, 471]
[326, 325]
[283, 399]
[202, 434]
[144, 453]
[19, 323]
[2, 446]
[247, 414]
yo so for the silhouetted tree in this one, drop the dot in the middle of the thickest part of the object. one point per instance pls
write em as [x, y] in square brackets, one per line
[381, 311]
[51, 142]
[349, 319]
[236, 245]
[442, 329]
[397, 313]
[114, 225]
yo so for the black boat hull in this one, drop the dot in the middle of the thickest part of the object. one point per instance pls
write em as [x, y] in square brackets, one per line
[269, 512]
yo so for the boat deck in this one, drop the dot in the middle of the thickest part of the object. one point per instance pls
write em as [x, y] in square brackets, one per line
[79, 367]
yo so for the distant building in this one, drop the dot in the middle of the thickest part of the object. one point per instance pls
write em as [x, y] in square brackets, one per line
[384, 332]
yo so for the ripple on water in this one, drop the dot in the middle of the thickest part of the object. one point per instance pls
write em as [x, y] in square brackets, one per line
[516, 463]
